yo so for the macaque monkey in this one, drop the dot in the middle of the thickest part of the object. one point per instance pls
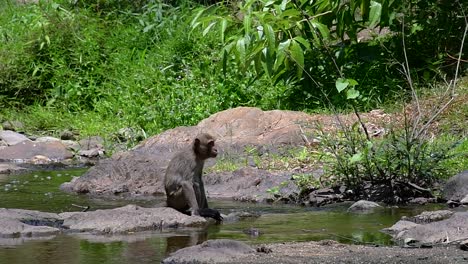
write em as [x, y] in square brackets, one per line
[183, 182]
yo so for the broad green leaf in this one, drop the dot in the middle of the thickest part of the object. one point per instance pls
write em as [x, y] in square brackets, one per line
[355, 158]
[270, 35]
[297, 54]
[352, 82]
[352, 93]
[375, 13]
[304, 42]
[283, 5]
[321, 28]
[341, 84]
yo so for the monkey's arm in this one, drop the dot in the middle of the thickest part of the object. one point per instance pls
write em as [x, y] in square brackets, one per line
[213, 213]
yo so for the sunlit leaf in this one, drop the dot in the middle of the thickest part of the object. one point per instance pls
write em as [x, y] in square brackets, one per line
[355, 158]
[208, 28]
[352, 93]
[341, 84]
[375, 13]
[297, 54]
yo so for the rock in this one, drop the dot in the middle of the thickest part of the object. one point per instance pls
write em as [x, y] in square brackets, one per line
[12, 138]
[67, 135]
[456, 187]
[130, 218]
[40, 159]
[464, 245]
[464, 201]
[27, 150]
[420, 201]
[18, 222]
[71, 145]
[143, 167]
[13, 126]
[444, 231]
[91, 153]
[362, 205]
[398, 227]
[46, 139]
[429, 216]
[89, 143]
[211, 251]
[11, 168]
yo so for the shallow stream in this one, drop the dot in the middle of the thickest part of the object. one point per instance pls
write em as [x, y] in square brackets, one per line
[277, 223]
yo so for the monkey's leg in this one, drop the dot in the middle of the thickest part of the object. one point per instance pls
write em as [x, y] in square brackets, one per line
[190, 198]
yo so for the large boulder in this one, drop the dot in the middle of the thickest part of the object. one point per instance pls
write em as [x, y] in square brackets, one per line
[456, 187]
[141, 170]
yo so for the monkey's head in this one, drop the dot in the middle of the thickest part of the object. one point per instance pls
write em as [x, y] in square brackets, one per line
[204, 146]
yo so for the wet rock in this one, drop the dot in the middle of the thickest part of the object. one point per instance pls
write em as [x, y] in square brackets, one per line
[130, 218]
[398, 227]
[211, 251]
[454, 228]
[456, 187]
[27, 150]
[13, 125]
[324, 196]
[18, 223]
[363, 206]
[12, 138]
[253, 232]
[10, 168]
[429, 216]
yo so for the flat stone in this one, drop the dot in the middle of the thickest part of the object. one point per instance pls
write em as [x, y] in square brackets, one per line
[27, 150]
[130, 218]
[12, 138]
[211, 251]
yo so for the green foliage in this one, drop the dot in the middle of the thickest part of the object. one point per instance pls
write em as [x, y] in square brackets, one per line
[138, 64]
[394, 161]
[311, 44]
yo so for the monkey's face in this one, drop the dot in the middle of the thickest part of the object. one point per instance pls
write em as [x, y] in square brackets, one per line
[204, 147]
[212, 151]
